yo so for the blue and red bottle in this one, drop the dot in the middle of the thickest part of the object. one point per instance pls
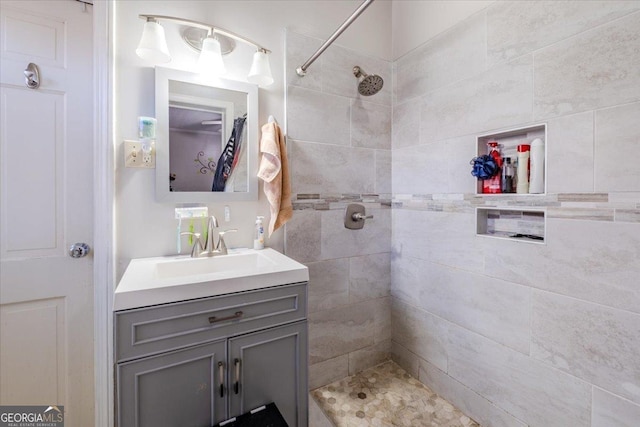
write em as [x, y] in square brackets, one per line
[493, 184]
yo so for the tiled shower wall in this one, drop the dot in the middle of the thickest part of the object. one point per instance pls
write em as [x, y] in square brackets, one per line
[340, 152]
[515, 333]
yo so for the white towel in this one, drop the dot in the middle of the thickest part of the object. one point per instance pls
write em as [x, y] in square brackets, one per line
[274, 171]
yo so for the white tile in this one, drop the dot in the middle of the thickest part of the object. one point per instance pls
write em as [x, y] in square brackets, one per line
[525, 388]
[324, 168]
[328, 284]
[459, 153]
[596, 69]
[419, 332]
[466, 400]
[383, 172]
[570, 154]
[593, 342]
[299, 48]
[420, 169]
[403, 357]
[617, 148]
[446, 238]
[591, 260]
[302, 236]
[491, 307]
[318, 117]
[369, 276]
[519, 27]
[338, 77]
[369, 357]
[328, 371]
[610, 410]
[370, 125]
[339, 242]
[448, 58]
[382, 318]
[356, 324]
[406, 123]
[500, 97]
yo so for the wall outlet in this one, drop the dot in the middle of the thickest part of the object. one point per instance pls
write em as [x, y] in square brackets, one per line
[139, 154]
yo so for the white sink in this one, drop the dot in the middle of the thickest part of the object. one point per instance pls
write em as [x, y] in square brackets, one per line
[241, 264]
[150, 281]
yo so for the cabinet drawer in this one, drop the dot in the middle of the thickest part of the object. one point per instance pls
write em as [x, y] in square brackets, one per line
[151, 330]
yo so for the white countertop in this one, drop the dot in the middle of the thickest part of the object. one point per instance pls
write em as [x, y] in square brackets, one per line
[151, 281]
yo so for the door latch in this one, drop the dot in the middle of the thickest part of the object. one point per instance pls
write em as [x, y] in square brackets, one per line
[32, 76]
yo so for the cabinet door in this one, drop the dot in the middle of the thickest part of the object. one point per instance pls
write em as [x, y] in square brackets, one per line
[180, 388]
[272, 367]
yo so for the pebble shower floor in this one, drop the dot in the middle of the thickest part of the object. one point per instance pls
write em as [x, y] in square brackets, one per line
[386, 395]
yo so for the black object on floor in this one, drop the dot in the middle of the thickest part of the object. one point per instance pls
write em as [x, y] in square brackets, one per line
[264, 416]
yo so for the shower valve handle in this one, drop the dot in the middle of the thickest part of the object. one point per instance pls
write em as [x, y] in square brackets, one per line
[360, 217]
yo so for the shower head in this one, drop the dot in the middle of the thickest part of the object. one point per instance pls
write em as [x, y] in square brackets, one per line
[369, 84]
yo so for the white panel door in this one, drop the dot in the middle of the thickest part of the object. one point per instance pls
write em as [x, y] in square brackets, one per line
[46, 204]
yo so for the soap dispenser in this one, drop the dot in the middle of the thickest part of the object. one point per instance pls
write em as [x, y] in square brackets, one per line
[258, 235]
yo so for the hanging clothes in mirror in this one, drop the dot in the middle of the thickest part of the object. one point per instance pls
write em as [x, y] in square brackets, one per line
[230, 155]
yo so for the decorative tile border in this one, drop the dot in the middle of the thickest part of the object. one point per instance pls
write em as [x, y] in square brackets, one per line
[618, 207]
[325, 202]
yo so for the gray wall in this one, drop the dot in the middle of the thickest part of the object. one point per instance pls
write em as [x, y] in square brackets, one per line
[340, 152]
[516, 333]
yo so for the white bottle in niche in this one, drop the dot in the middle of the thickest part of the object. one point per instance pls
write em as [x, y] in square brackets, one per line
[536, 179]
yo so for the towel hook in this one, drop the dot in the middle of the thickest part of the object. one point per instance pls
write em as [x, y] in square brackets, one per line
[32, 76]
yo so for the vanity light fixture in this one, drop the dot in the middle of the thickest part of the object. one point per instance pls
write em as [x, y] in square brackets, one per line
[210, 60]
[212, 44]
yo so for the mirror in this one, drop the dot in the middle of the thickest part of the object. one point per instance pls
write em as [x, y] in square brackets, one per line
[206, 138]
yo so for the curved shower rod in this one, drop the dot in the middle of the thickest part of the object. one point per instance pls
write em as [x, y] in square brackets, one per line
[302, 70]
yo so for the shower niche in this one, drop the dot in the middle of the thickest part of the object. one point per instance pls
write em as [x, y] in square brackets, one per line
[520, 219]
[508, 141]
[523, 225]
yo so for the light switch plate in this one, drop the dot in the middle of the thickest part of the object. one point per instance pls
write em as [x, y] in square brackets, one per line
[135, 157]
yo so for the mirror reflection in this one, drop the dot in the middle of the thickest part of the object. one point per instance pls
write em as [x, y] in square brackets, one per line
[207, 138]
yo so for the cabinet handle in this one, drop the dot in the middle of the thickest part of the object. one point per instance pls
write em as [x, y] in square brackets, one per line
[236, 384]
[221, 375]
[236, 315]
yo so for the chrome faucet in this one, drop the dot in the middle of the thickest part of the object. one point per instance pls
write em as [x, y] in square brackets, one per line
[197, 249]
[211, 225]
[221, 248]
[209, 248]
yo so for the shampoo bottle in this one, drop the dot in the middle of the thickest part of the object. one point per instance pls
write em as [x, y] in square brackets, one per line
[536, 179]
[258, 235]
[523, 168]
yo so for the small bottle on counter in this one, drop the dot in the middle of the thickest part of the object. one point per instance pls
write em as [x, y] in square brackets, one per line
[523, 169]
[258, 235]
[507, 176]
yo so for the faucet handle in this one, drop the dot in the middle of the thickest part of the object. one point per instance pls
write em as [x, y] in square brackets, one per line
[197, 248]
[209, 245]
[222, 247]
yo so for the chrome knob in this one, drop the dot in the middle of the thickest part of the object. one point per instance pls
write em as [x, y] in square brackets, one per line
[360, 217]
[79, 250]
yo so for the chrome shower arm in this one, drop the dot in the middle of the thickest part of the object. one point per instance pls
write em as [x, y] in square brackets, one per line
[302, 70]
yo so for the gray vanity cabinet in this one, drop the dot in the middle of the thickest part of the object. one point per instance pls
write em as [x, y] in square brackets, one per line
[196, 363]
[173, 389]
[270, 366]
